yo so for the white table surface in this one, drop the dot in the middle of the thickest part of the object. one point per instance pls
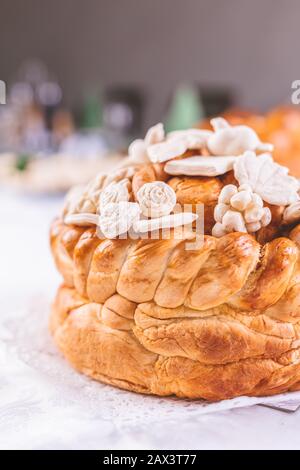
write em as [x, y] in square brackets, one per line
[46, 405]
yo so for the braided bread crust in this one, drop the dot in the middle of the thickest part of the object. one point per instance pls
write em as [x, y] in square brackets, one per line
[218, 321]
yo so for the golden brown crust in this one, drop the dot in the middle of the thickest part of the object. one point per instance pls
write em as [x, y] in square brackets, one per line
[148, 174]
[218, 321]
[213, 354]
[233, 270]
[198, 190]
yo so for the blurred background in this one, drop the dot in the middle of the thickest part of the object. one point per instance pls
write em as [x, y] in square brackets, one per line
[84, 77]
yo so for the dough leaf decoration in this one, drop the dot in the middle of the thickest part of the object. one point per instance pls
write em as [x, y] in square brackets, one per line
[267, 179]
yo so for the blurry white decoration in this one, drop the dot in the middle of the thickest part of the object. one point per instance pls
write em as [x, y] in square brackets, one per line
[84, 145]
[33, 71]
[234, 140]
[118, 115]
[21, 94]
[266, 178]
[49, 94]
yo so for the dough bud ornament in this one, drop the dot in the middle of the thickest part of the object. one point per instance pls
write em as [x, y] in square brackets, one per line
[216, 321]
[239, 210]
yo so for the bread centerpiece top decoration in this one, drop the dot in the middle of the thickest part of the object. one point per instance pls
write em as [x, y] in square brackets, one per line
[181, 269]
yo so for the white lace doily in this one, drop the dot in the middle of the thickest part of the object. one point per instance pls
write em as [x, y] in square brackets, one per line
[36, 381]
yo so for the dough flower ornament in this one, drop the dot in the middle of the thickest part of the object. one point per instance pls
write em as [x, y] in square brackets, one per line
[156, 199]
[234, 140]
[266, 178]
[118, 217]
[239, 210]
[114, 192]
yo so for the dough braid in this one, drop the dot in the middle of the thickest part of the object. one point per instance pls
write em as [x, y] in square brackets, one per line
[217, 321]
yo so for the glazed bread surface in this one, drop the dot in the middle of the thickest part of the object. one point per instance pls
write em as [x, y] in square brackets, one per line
[216, 321]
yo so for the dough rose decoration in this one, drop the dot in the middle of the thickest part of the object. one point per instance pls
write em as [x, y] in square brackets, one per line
[156, 199]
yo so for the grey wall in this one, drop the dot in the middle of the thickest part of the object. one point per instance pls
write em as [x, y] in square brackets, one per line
[251, 45]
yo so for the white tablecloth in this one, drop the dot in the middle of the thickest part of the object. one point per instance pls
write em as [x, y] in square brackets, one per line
[44, 404]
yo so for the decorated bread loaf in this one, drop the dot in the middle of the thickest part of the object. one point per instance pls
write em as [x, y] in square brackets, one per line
[181, 270]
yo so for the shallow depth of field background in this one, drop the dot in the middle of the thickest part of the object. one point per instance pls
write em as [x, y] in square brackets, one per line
[250, 47]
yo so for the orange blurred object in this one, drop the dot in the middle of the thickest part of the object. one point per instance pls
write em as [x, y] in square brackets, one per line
[280, 126]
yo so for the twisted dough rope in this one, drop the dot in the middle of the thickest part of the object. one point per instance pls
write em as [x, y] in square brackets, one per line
[129, 347]
[233, 270]
[215, 353]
